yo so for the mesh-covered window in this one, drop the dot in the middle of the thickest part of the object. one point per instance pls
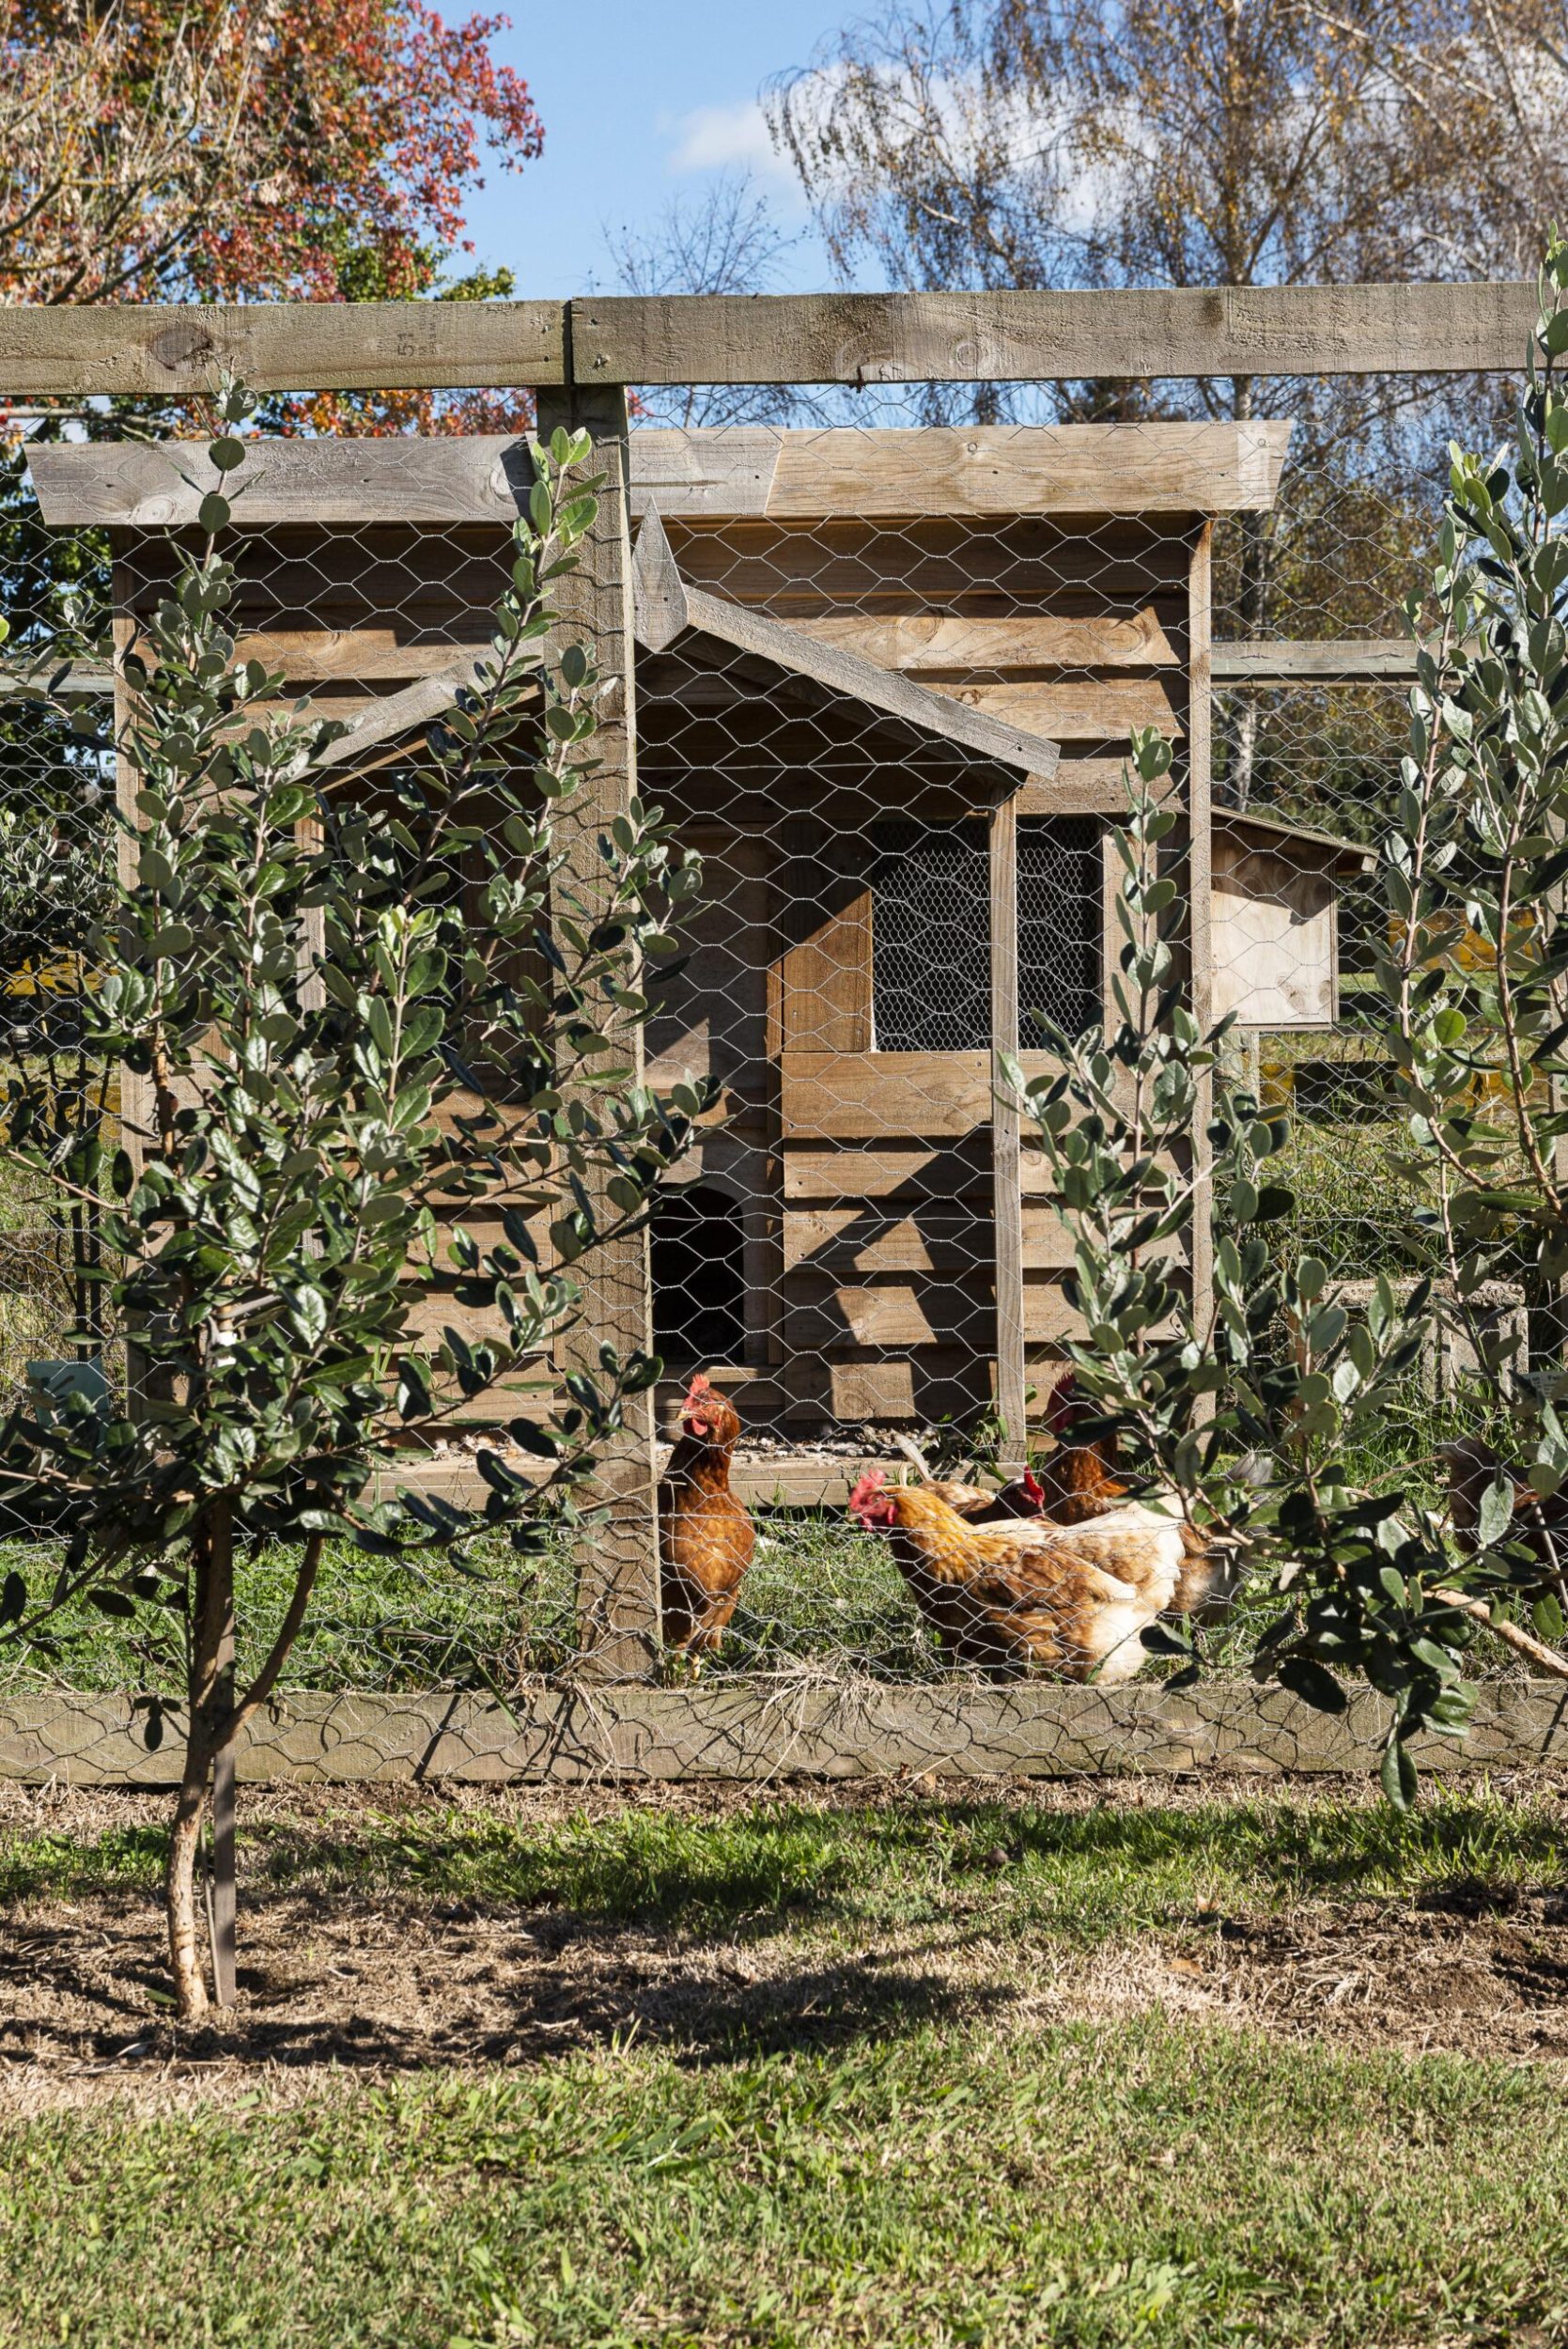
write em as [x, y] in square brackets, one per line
[931, 943]
[1060, 922]
[931, 932]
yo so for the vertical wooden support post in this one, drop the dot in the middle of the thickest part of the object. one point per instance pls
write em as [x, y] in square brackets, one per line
[619, 1602]
[1200, 884]
[1006, 1149]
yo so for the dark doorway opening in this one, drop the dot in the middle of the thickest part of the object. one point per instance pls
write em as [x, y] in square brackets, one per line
[696, 1246]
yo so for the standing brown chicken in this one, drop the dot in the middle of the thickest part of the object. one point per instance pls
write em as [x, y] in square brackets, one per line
[706, 1536]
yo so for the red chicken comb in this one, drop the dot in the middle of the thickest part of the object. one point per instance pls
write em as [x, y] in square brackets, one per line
[1035, 1492]
[1066, 1405]
[868, 1498]
[701, 1385]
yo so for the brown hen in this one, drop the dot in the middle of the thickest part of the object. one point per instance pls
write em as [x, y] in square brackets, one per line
[1077, 1486]
[1005, 1600]
[706, 1536]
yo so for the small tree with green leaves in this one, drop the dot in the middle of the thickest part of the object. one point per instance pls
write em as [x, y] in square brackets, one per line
[365, 1013]
[1258, 1406]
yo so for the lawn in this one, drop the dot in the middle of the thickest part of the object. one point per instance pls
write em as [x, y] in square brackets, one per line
[1080, 2065]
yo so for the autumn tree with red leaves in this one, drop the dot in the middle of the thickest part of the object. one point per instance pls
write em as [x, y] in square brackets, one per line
[253, 150]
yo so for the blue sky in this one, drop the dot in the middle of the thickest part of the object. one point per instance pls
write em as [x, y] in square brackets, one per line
[642, 100]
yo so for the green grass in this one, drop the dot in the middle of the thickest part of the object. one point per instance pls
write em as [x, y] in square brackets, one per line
[1088, 2185]
[1075, 1875]
[821, 1591]
[909, 2175]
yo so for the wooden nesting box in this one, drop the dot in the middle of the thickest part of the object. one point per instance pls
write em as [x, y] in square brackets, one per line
[884, 680]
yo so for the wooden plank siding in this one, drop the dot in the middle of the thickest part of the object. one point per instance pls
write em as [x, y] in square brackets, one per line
[862, 1179]
[994, 471]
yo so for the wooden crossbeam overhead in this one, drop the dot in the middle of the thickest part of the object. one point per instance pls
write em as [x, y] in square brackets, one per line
[170, 349]
[782, 477]
[165, 349]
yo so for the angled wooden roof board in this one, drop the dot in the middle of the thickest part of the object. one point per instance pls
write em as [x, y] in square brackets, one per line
[668, 613]
[395, 714]
[725, 472]
[1273, 831]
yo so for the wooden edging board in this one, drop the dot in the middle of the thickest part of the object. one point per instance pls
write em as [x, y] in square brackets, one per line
[162, 349]
[755, 1729]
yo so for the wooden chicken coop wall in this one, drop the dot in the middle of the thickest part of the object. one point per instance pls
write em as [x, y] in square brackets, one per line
[1055, 579]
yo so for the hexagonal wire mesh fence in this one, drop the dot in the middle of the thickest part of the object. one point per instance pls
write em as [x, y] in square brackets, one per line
[872, 650]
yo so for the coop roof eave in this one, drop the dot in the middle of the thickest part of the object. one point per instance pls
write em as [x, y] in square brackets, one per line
[669, 612]
[1272, 831]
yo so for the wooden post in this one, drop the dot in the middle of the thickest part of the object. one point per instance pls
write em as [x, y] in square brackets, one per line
[1006, 1153]
[619, 1602]
[1200, 884]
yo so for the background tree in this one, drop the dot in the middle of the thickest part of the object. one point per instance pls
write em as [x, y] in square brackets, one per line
[728, 240]
[377, 1033]
[263, 150]
[1068, 143]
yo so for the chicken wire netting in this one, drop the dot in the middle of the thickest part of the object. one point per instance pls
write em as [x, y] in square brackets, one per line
[860, 648]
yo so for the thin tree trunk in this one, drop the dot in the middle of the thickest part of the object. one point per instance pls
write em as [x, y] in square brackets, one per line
[210, 1708]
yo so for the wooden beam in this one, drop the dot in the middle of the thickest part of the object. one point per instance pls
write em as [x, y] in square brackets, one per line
[1006, 1134]
[162, 349]
[786, 476]
[739, 1727]
[1016, 337]
[165, 349]
[383, 720]
[1342, 661]
[618, 1575]
[1199, 898]
[658, 593]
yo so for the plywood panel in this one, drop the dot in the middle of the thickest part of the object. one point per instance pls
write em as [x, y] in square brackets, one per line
[1275, 939]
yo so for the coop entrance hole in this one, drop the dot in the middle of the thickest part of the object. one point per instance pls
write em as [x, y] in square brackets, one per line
[697, 1251]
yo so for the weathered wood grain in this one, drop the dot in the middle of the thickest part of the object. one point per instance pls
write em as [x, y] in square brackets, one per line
[867, 1097]
[164, 348]
[1013, 337]
[989, 472]
[1006, 1133]
[759, 1728]
[903, 1170]
[856, 1240]
[618, 1585]
[171, 348]
[921, 642]
[1263, 660]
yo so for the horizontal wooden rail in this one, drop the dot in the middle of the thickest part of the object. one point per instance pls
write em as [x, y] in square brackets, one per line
[180, 349]
[772, 1727]
[1263, 661]
[1347, 660]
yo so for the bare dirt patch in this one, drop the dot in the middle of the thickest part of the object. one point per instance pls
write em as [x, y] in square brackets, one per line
[338, 1985]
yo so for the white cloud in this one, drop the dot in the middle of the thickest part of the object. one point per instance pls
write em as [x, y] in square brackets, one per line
[727, 138]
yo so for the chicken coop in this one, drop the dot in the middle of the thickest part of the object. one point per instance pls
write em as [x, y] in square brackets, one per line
[883, 680]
